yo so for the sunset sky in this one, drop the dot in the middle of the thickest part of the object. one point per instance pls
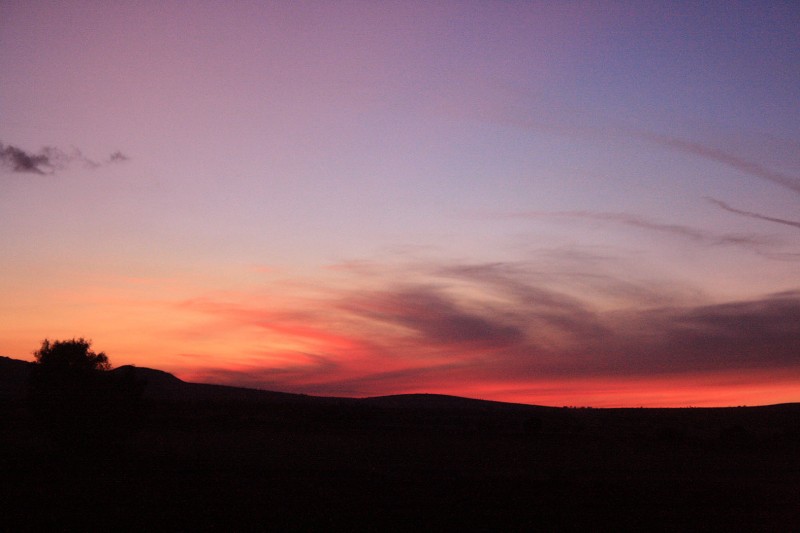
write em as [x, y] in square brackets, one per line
[558, 203]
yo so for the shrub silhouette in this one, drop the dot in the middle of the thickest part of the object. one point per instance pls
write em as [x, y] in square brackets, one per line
[75, 396]
[70, 356]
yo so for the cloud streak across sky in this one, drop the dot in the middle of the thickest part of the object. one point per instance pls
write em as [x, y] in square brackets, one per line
[751, 241]
[720, 156]
[750, 214]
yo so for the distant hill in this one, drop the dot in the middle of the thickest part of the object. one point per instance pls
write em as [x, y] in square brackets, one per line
[163, 386]
[160, 385]
[440, 401]
[13, 377]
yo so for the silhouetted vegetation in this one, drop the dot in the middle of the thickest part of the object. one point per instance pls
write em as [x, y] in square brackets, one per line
[70, 356]
[74, 396]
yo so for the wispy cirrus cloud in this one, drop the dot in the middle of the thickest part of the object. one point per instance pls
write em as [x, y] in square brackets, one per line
[751, 214]
[49, 159]
[637, 221]
[568, 124]
[720, 156]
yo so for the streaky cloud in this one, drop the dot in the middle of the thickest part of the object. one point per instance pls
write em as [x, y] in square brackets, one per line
[542, 304]
[751, 214]
[721, 156]
[740, 335]
[628, 219]
[561, 126]
[435, 319]
[428, 337]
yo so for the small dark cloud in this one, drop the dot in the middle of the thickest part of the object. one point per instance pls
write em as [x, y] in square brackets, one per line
[117, 157]
[751, 214]
[21, 161]
[49, 159]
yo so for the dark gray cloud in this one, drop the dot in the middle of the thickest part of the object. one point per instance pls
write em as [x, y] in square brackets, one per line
[48, 160]
[528, 343]
[117, 157]
[751, 214]
[22, 161]
[761, 333]
[435, 318]
[758, 333]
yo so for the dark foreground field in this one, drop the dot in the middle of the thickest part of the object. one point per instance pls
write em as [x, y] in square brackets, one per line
[211, 458]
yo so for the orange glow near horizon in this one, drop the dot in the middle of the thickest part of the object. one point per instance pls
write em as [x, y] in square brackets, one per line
[345, 341]
[599, 392]
[365, 374]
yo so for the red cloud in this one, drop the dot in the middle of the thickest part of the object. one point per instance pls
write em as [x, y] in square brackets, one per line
[507, 330]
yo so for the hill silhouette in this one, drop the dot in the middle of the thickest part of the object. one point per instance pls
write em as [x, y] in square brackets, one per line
[13, 377]
[210, 457]
[161, 385]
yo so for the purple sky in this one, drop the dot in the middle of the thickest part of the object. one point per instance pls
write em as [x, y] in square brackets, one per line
[555, 202]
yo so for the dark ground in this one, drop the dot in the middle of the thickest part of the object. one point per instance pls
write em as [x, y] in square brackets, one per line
[425, 463]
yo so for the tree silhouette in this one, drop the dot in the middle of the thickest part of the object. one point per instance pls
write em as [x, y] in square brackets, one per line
[75, 396]
[74, 355]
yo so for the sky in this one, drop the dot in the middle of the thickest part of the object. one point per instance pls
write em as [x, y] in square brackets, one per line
[555, 203]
